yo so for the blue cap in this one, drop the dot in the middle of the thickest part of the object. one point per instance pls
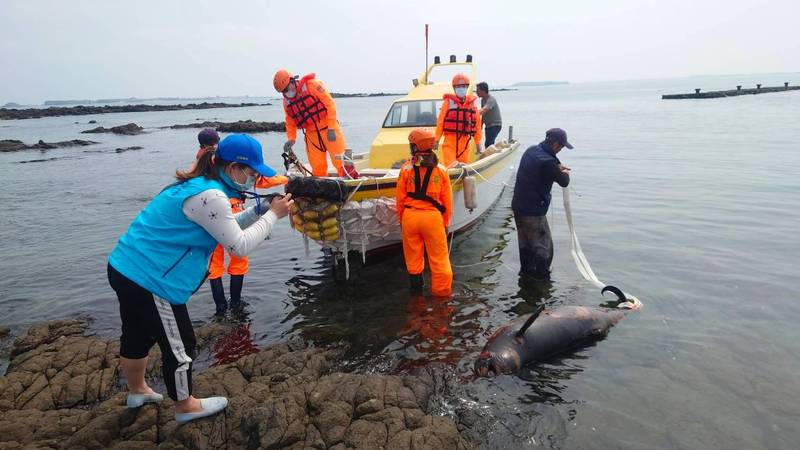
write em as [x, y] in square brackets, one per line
[244, 149]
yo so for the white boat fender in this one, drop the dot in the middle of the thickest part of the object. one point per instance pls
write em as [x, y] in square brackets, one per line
[470, 193]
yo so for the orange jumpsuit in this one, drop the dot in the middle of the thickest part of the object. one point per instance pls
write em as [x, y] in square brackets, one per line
[460, 123]
[238, 265]
[424, 226]
[314, 111]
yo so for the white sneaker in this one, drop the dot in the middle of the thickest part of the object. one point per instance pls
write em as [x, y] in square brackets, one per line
[211, 406]
[137, 400]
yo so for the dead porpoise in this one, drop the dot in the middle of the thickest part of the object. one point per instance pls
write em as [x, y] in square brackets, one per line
[544, 333]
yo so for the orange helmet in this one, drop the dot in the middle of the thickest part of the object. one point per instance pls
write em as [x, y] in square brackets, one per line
[460, 79]
[282, 79]
[422, 138]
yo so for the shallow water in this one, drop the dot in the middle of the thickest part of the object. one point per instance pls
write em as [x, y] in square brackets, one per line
[690, 205]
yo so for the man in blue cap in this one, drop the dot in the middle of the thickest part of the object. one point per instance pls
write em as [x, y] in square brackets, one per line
[163, 257]
[538, 169]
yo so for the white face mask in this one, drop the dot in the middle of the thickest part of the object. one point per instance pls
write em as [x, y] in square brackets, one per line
[248, 183]
[290, 92]
[461, 91]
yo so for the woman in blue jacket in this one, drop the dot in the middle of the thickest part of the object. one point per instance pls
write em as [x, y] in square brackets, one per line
[162, 259]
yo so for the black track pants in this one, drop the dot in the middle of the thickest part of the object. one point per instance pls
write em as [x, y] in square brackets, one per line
[147, 320]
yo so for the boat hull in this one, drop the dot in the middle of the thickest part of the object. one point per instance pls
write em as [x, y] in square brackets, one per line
[368, 220]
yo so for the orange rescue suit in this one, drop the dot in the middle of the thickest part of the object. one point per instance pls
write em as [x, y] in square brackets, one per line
[424, 224]
[238, 265]
[314, 111]
[460, 123]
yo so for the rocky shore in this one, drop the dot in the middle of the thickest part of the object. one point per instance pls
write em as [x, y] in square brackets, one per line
[242, 126]
[13, 145]
[127, 129]
[62, 389]
[83, 110]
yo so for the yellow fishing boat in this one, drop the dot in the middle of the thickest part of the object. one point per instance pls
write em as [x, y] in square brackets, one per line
[358, 214]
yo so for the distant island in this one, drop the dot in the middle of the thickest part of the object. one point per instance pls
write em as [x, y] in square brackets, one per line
[538, 83]
[82, 110]
[103, 101]
[375, 94]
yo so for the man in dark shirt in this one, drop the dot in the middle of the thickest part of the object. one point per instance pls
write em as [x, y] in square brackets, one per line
[490, 113]
[538, 169]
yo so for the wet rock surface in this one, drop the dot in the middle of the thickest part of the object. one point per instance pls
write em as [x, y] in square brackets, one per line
[242, 126]
[127, 129]
[13, 145]
[82, 110]
[127, 149]
[62, 390]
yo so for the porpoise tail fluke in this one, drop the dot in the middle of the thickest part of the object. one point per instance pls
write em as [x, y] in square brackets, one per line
[620, 295]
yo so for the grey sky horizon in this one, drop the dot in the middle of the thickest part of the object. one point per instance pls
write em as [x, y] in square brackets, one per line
[104, 49]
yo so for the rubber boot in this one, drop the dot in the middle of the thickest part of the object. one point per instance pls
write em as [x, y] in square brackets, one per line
[237, 281]
[527, 262]
[416, 282]
[218, 291]
[542, 271]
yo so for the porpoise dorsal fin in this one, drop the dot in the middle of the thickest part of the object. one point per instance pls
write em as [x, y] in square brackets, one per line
[530, 321]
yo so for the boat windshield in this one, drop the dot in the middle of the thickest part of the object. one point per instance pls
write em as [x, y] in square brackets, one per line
[418, 113]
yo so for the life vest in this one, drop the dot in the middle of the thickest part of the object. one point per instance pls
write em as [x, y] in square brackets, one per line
[163, 251]
[421, 188]
[305, 109]
[461, 115]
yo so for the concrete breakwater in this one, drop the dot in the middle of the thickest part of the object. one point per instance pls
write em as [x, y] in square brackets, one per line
[731, 93]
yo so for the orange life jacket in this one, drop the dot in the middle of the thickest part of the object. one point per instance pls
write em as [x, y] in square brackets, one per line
[305, 109]
[421, 184]
[461, 115]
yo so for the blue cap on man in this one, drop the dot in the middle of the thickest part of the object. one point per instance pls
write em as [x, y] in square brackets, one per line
[244, 149]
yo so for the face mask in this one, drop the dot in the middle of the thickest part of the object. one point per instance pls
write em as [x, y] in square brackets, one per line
[461, 91]
[290, 93]
[248, 183]
[246, 186]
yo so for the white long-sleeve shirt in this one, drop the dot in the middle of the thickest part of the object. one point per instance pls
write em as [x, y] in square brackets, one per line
[238, 233]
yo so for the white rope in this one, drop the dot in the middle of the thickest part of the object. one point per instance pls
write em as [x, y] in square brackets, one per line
[502, 183]
[453, 232]
[580, 259]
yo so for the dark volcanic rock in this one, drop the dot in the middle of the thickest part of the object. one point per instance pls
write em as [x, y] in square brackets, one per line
[11, 145]
[128, 129]
[127, 149]
[242, 126]
[83, 110]
[62, 390]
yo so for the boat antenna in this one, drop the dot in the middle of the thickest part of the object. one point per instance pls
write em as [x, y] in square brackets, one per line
[426, 54]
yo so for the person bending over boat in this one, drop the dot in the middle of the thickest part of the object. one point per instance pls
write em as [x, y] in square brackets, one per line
[538, 169]
[309, 106]
[459, 122]
[424, 207]
[162, 259]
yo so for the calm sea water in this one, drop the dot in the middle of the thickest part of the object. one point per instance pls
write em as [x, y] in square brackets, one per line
[690, 205]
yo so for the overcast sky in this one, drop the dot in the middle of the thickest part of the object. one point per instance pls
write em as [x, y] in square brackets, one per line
[109, 49]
